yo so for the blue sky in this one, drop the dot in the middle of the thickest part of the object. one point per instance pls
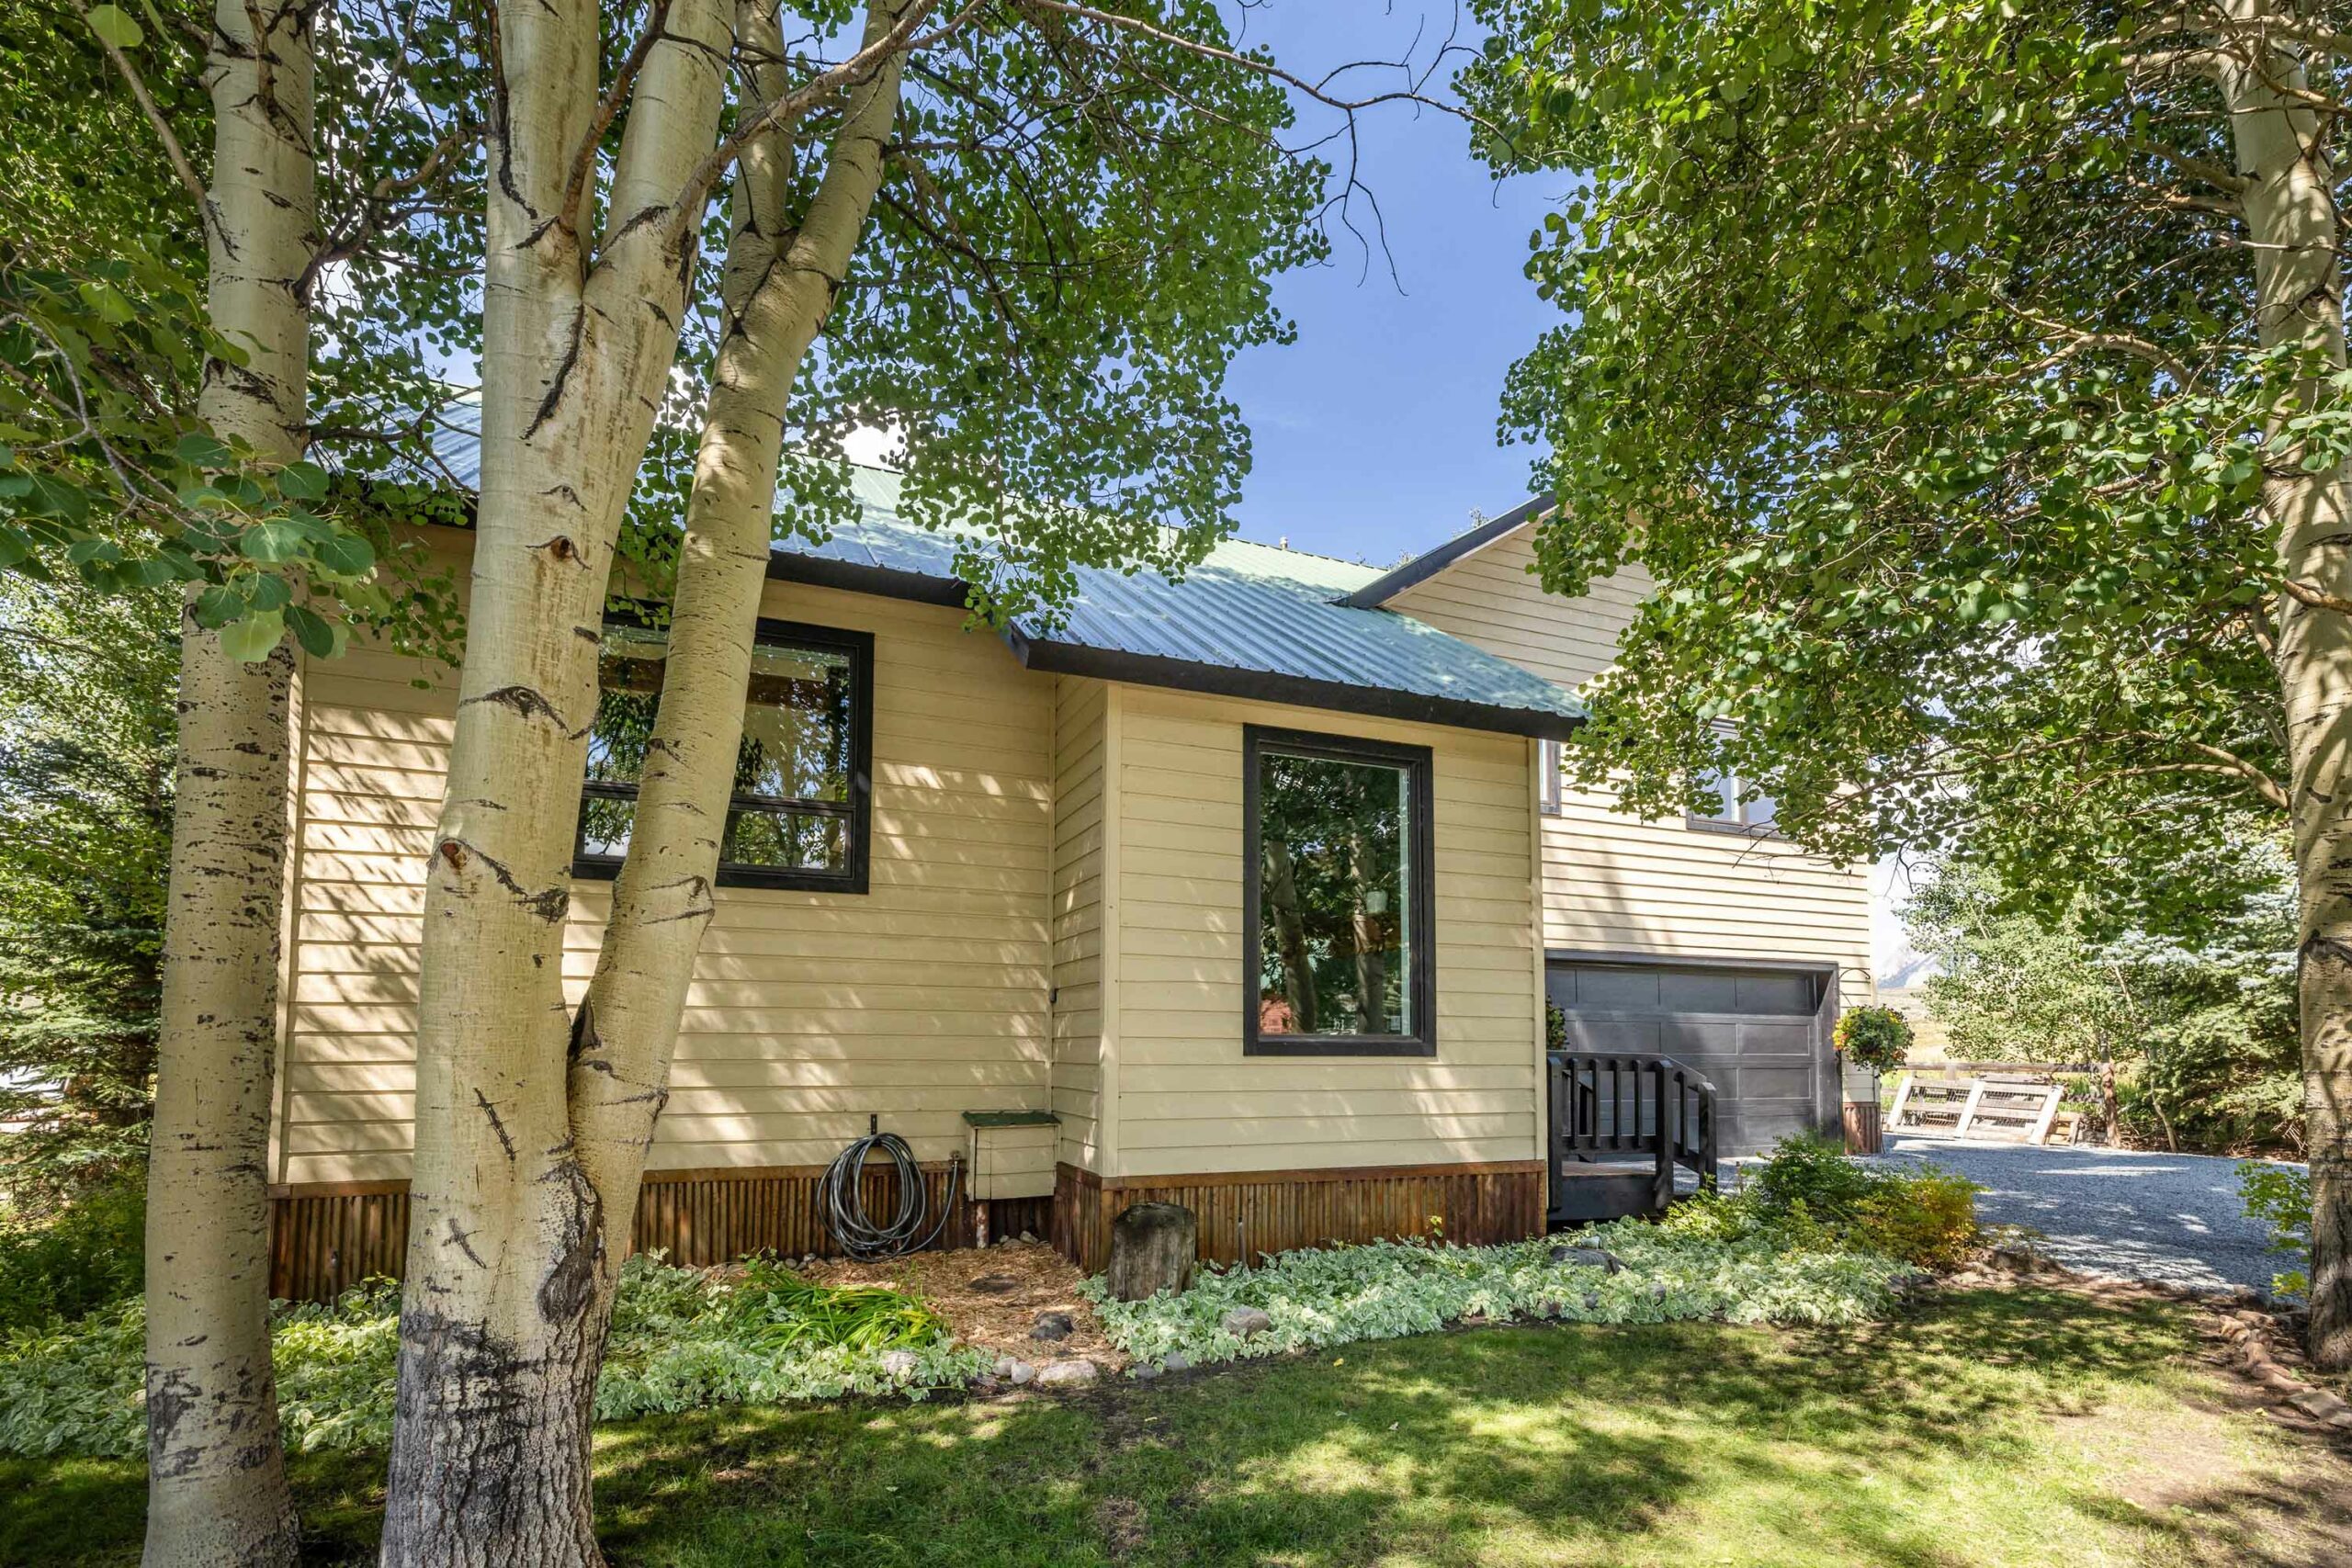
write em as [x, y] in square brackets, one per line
[1374, 434]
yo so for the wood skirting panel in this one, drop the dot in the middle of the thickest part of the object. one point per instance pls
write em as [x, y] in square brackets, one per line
[327, 1239]
[1244, 1215]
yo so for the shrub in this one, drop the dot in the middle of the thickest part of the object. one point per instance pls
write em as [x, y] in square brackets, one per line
[1927, 1219]
[681, 1339]
[72, 1260]
[1810, 1197]
[1874, 1037]
[1813, 1172]
[2279, 1198]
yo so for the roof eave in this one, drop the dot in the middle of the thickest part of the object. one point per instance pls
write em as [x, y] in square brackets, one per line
[856, 577]
[1294, 690]
[1421, 568]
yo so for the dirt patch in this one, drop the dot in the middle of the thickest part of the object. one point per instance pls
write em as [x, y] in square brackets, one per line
[992, 1296]
[1123, 1527]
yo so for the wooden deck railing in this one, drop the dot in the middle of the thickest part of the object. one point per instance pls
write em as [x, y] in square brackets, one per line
[1610, 1106]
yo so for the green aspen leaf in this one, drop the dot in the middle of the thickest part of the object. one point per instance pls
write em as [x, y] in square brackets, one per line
[266, 591]
[198, 450]
[59, 499]
[344, 555]
[271, 541]
[218, 604]
[313, 631]
[250, 640]
[14, 545]
[302, 482]
[113, 25]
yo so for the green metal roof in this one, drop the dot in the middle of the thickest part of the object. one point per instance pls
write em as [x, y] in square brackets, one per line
[1250, 621]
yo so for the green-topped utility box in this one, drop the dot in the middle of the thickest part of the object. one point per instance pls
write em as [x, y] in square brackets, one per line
[1011, 1153]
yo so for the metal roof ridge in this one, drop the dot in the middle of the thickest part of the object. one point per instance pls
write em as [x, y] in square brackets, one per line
[1429, 563]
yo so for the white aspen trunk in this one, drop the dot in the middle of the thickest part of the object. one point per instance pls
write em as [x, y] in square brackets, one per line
[777, 288]
[2291, 215]
[490, 1461]
[216, 1492]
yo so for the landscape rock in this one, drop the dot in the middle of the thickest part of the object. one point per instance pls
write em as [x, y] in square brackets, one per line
[2322, 1406]
[1053, 1326]
[1177, 1361]
[1143, 1372]
[1069, 1374]
[1589, 1257]
[1020, 1374]
[900, 1365]
[1028, 1238]
[1245, 1323]
[996, 1284]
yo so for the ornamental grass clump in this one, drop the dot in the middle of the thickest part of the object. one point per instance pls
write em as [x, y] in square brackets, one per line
[682, 1338]
[1384, 1290]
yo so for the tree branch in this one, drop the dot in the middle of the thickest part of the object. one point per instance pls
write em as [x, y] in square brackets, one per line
[172, 149]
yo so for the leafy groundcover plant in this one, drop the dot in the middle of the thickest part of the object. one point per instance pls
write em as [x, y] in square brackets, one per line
[1737, 1271]
[1811, 1237]
[681, 1339]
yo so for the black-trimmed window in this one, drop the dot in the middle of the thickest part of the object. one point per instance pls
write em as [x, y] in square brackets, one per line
[799, 814]
[1338, 900]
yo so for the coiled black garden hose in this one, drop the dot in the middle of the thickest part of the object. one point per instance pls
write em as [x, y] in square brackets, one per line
[841, 1195]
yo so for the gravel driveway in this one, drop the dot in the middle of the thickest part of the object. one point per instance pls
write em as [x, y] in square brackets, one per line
[2128, 1213]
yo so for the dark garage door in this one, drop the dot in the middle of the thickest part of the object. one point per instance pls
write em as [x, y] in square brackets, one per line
[1761, 1035]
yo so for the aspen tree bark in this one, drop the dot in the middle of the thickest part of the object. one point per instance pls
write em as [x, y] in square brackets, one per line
[2291, 213]
[490, 1461]
[216, 1489]
[1290, 937]
[776, 290]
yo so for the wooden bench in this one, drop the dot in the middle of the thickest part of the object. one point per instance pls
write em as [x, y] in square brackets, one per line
[2020, 1109]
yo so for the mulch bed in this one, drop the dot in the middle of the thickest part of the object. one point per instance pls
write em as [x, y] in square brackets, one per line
[992, 1296]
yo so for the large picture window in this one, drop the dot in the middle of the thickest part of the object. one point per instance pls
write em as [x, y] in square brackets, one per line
[798, 816]
[1338, 903]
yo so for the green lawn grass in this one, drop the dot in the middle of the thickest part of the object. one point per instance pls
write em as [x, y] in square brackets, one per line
[1993, 1427]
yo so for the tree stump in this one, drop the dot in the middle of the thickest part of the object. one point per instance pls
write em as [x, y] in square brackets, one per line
[1152, 1248]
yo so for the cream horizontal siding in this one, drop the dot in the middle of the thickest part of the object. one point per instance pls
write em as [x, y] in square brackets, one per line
[1613, 883]
[1082, 739]
[808, 1012]
[1489, 598]
[1189, 1101]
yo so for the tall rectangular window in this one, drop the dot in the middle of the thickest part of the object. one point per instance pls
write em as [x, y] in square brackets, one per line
[1547, 781]
[797, 814]
[1339, 901]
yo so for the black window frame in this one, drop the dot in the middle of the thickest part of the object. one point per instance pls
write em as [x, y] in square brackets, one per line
[1421, 958]
[858, 809]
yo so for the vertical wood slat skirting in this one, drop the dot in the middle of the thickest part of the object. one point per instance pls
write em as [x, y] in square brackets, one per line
[324, 1240]
[1245, 1215]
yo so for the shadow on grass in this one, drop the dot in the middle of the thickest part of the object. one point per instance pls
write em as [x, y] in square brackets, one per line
[1684, 1443]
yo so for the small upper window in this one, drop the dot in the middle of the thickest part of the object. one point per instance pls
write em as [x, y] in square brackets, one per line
[1738, 807]
[798, 814]
[1339, 900]
[1547, 784]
